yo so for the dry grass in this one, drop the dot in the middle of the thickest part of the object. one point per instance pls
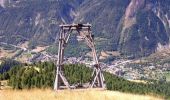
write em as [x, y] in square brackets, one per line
[70, 95]
[24, 45]
[106, 54]
[39, 49]
[139, 81]
[6, 53]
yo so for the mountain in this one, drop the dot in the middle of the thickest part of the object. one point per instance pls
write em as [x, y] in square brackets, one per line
[133, 27]
[33, 20]
[144, 27]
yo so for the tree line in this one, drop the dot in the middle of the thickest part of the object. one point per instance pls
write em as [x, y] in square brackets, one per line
[42, 75]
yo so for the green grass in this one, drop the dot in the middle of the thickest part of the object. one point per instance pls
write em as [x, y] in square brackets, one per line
[167, 75]
[28, 54]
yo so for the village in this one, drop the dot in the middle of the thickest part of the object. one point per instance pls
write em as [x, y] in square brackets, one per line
[128, 69]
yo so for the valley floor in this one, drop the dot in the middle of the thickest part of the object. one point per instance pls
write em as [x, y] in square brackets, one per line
[70, 95]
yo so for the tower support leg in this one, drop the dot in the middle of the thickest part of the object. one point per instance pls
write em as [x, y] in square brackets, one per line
[84, 31]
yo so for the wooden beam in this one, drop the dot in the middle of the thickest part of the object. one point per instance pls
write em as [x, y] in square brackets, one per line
[83, 30]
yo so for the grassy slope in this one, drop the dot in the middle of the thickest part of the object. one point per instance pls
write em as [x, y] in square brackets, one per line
[167, 75]
[70, 95]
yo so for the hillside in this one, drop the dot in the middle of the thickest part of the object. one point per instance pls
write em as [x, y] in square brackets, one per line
[133, 27]
[42, 75]
[72, 95]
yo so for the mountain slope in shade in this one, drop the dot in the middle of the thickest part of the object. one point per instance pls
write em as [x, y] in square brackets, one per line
[37, 20]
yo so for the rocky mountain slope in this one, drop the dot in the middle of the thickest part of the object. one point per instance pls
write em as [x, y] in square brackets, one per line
[145, 26]
[133, 27]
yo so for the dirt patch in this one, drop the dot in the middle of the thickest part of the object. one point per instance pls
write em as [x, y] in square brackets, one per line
[39, 49]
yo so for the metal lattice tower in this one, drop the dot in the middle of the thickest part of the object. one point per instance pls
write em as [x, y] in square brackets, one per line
[83, 30]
